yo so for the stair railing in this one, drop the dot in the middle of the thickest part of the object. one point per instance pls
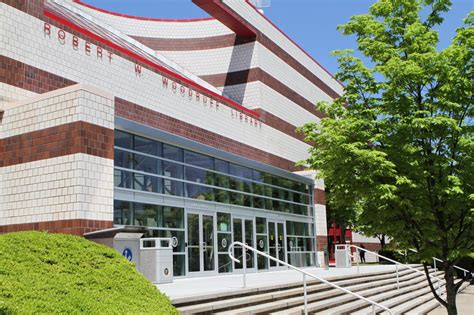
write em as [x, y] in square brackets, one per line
[399, 263]
[305, 273]
[465, 271]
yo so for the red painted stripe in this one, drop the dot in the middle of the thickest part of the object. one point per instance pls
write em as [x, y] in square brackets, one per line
[149, 63]
[140, 17]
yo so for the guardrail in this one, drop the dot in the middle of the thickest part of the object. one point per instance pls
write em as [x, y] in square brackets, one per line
[305, 273]
[396, 266]
[465, 271]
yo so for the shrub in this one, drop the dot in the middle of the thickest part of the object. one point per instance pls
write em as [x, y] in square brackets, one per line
[56, 273]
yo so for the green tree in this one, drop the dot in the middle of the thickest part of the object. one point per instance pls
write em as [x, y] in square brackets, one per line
[398, 145]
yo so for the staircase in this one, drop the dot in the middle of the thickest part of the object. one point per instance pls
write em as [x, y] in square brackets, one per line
[412, 296]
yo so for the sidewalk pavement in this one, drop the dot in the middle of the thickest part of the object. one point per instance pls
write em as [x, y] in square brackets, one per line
[464, 301]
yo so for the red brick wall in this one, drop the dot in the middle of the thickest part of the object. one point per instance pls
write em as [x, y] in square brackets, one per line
[76, 137]
[321, 242]
[24, 76]
[319, 197]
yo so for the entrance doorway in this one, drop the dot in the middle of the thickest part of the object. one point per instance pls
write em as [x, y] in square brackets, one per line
[276, 243]
[200, 250]
[244, 232]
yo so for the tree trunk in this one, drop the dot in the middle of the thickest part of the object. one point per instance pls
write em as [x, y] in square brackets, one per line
[451, 289]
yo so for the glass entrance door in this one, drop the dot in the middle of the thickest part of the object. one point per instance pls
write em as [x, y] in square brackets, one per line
[201, 254]
[276, 242]
[244, 232]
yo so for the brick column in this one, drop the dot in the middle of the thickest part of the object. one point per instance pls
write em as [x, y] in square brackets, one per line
[56, 162]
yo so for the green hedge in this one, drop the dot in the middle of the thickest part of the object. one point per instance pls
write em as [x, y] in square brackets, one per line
[56, 273]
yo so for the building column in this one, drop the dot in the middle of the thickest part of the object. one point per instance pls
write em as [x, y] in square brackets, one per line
[56, 162]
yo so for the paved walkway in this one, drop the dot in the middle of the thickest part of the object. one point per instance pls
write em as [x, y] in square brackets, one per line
[215, 286]
[464, 301]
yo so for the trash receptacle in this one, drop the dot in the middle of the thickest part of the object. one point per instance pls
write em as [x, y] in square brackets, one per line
[156, 259]
[128, 244]
[343, 259]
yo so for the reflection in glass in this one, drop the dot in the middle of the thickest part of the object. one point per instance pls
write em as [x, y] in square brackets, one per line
[122, 139]
[122, 212]
[122, 179]
[171, 217]
[208, 242]
[223, 222]
[199, 192]
[193, 243]
[147, 146]
[145, 214]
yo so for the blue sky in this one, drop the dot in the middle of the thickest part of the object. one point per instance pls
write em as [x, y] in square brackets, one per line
[311, 23]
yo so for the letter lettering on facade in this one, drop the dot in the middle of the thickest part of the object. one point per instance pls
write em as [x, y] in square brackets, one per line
[110, 55]
[182, 90]
[190, 94]
[164, 80]
[198, 96]
[61, 34]
[87, 47]
[99, 52]
[138, 70]
[204, 100]
[174, 86]
[75, 42]
[211, 103]
[47, 29]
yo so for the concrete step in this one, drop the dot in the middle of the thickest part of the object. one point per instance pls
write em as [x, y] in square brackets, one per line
[279, 294]
[427, 307]
[364, 277]
[399, 300]
[283, 304]
[327, 305]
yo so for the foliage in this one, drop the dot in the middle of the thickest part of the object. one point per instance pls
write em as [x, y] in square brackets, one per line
[397, 148]
[43, 273]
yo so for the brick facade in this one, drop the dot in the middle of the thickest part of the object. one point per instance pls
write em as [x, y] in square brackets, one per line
[72, 138]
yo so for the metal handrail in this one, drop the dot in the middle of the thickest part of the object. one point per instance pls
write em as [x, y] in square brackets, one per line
[245, 247]
[399, 263]
[437, 259]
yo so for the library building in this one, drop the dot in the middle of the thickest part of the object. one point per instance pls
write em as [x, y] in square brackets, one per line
[175, 128]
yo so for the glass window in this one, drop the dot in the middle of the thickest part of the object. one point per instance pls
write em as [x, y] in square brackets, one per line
[257, 176]
[223, 222]
[122, 139]
[122, 212]
[199, 192]
[145, 214]
[146, 164]
[299, 228]
[174, 170]
[261, 225]
[221, 195]
[123, 159]
[236, 198]
[172, 187]
[148, 146]
[171, 217]
[122, 179]
[197, 159]
[172, 153]
[221, 166]
[198, 175]
[147, 183]
[240, 171]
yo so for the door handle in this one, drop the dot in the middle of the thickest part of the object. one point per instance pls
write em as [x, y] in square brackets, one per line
[204, 246]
